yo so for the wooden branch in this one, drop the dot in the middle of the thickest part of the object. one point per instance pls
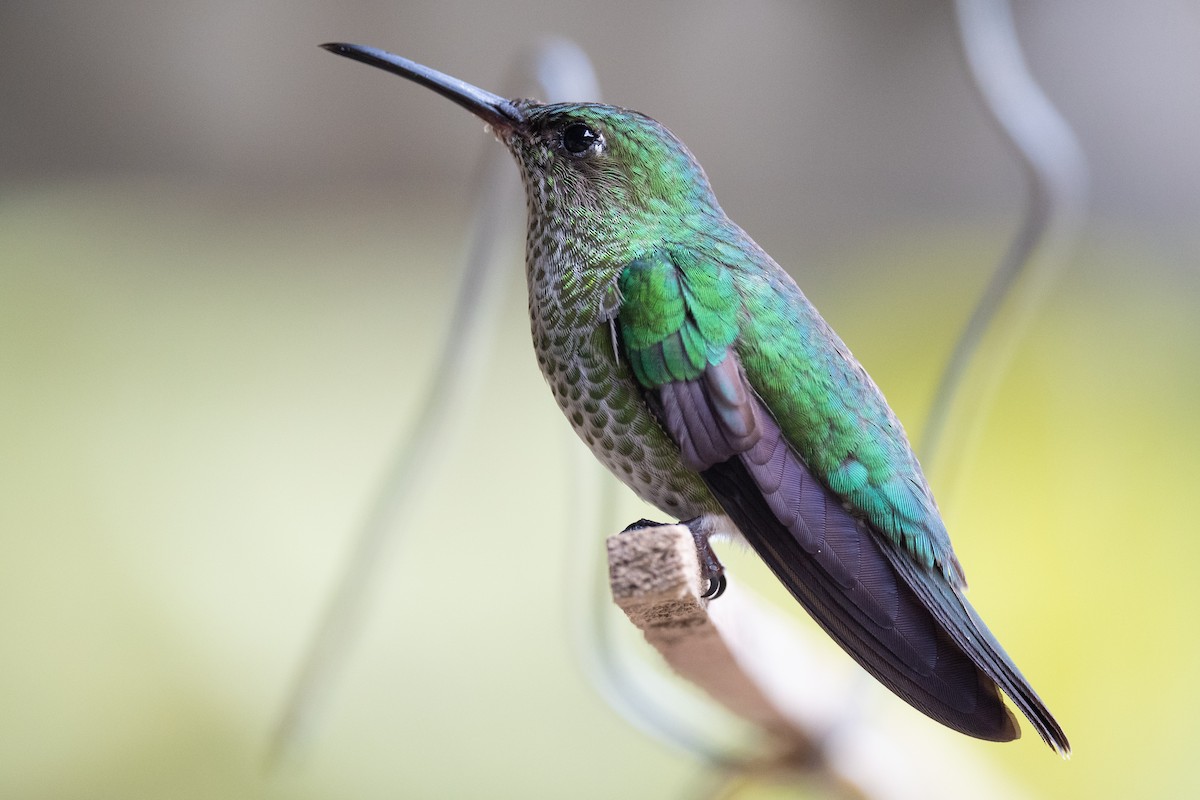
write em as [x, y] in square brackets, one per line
[818, 712]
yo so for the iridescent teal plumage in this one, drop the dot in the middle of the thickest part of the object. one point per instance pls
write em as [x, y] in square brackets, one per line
[678, 316]
[695, 369]
[651, 198]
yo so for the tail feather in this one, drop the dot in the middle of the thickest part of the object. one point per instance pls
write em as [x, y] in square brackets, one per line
[969, 632]
[902, 645]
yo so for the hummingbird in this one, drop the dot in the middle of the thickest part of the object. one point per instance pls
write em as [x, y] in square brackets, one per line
[698, 373]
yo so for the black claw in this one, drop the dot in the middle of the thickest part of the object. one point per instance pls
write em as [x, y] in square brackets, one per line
[716, 587]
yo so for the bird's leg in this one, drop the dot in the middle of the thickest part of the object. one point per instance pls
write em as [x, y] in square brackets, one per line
[711, 568]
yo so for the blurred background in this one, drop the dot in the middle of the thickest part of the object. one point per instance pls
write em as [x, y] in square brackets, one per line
[227, 257]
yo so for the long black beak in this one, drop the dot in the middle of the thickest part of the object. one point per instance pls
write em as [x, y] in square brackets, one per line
[492, 108]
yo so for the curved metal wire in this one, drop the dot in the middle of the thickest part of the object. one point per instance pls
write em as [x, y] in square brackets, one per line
[1056, 171]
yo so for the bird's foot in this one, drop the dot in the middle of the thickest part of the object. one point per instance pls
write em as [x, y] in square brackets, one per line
[711, 569]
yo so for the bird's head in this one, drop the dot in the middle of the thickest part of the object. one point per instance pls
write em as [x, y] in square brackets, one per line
[614, 172]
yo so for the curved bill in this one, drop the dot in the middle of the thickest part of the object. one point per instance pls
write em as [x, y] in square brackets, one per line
[492, 108]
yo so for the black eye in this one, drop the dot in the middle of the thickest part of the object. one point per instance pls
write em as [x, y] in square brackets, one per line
[578, 139]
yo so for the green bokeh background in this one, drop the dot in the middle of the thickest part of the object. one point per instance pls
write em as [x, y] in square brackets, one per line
[226, 260]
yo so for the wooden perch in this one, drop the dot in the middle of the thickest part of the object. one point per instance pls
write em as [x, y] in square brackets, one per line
[820, 714]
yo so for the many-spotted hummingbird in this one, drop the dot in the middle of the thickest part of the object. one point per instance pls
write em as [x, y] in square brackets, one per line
[699, 374]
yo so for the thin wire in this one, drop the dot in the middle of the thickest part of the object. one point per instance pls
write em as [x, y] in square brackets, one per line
[1056, 171]
[458, 376]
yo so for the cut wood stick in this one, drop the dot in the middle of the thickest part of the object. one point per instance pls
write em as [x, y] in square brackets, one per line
[822, 716]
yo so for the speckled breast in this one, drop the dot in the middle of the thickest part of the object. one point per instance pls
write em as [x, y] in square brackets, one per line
[576, 351]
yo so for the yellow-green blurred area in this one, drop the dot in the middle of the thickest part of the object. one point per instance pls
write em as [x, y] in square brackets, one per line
[227, 260]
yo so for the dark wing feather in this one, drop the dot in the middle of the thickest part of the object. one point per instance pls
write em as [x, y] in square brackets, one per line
[964, 625]
[711, 418]
[904, 624]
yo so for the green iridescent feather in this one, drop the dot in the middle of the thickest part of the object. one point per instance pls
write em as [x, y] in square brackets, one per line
[678, 316]
[681, 312]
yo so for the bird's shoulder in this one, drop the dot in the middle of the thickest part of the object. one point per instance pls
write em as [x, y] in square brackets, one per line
[686, 309]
